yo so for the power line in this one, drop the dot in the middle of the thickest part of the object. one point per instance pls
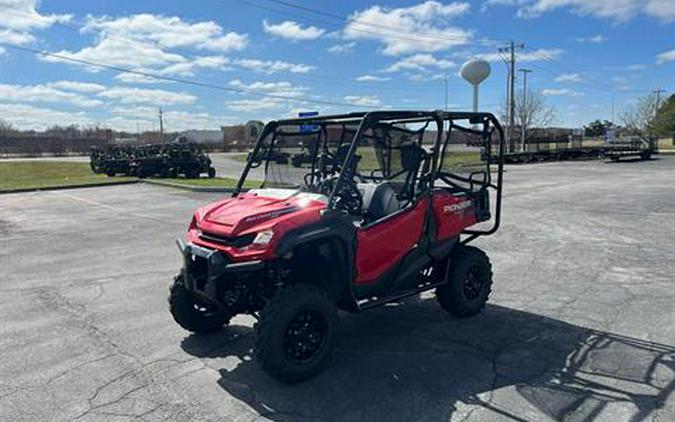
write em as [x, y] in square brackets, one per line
[192, 82]
[347, 19]
[78, 26]
[394, 33]
[592, 84]
[178, 80]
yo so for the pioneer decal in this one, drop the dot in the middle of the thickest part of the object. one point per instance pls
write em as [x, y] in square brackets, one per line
[456, 207]
[272, 214]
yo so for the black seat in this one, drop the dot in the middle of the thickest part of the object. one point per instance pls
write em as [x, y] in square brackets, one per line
[412, 156]
[384, 201]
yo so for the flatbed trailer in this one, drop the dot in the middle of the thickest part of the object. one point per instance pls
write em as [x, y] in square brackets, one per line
[636, 148]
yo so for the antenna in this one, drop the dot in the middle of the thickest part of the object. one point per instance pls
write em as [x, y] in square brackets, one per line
[161, 125]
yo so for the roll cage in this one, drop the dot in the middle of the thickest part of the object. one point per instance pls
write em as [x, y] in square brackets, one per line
[363, 128]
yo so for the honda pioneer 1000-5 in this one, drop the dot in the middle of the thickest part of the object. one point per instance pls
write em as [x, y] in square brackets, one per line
[380, 206]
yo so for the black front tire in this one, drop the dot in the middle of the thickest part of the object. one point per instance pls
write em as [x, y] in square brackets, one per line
[468, 282]
[211, 172]
[192, 314]
[295, 333]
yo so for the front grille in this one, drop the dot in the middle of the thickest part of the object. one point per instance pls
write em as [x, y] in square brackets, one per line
[236, 242]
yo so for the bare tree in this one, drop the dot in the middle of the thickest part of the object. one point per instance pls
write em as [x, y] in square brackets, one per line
[531, 110]
[639, 117]
[6, 128]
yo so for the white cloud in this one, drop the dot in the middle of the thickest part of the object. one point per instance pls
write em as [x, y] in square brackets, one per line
[420, 28]
[292, 30]
[272, 66]
[28, 117]
[14, 37]
[167, 32]
[282, 88]
[144, 42]
[77, 86]
[621, 79]
[228, 42]
[667, 56]
[569, 77]
[120, 52]
[44, 94]
[127, 95]
[134, 78]
[19, 17]
[425, 77]
[595, 39]
[363, 100]
[372, 78]
[420, 62]
[187, 68]
[254, 105]
[558, 92]
[342, 48]
[619, 10]
[531, 56]
[636, 67]
[125, 118]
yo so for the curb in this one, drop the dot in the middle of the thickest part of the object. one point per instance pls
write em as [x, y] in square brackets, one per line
[48, 188]
[187, 187]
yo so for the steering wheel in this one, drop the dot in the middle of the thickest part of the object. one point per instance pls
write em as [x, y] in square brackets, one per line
[327, 185]
[348, 198]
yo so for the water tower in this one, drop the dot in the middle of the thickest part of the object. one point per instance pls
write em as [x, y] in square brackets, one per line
[474, 72]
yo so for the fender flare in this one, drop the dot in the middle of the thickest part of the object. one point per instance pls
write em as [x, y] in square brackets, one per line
[326, 229]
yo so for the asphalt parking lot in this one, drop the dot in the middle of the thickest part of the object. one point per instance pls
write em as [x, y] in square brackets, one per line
[581, 324]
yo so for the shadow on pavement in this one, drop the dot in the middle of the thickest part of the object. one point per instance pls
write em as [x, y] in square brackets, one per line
[414, 362]
[632, 160]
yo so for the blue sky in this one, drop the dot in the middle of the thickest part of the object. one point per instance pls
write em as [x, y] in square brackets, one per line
[273, 58]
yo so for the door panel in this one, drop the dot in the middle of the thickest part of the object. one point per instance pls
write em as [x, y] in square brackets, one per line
[382, 245]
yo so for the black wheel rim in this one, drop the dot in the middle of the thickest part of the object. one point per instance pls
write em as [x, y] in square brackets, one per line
[305, 336]
[473, 283]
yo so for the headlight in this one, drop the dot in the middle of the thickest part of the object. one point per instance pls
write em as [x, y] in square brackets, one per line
[263, 238]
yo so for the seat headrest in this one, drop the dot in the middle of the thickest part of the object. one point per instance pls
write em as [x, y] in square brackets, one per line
[411, 156]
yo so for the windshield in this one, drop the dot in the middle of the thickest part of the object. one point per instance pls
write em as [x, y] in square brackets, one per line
[299, 157]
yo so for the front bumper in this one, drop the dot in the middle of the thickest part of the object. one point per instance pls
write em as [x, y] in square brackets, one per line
[205, 268]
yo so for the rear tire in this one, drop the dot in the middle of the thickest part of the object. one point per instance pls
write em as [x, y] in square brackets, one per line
[211, 173]
[192, 314]
[468, 282]
[295, 332]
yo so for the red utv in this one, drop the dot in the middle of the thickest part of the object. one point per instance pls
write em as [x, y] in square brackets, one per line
[384, 209]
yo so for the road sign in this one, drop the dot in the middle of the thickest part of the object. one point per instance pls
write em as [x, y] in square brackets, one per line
[308, 128]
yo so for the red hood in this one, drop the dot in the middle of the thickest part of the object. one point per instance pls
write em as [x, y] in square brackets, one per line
[256, 210]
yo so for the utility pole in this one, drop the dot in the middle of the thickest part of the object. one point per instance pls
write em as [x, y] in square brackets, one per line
[523, 107]
[511, 49]
[445, 81]
[161, 125]
[658, 93]
[612, 111]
